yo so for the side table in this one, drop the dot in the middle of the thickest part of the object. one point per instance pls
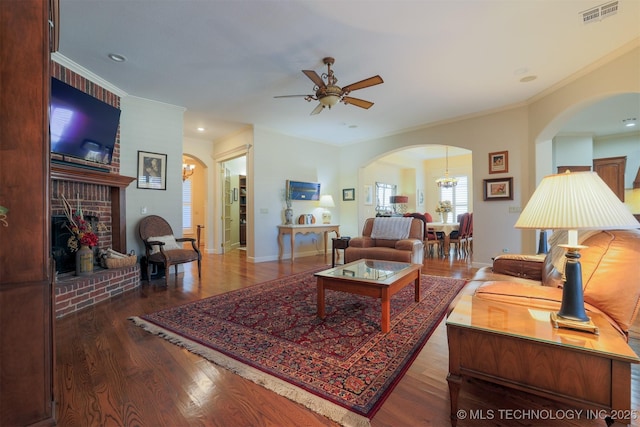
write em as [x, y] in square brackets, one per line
[516, 346]
[338, 243]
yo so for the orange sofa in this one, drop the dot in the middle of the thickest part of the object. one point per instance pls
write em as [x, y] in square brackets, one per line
[610, 277]
[410, 249]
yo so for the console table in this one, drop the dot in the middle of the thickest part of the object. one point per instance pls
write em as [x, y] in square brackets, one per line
[516, 346]
[294, 229]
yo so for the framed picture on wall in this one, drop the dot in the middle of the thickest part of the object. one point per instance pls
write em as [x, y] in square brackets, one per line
[498, 189]
[299, 190]
[499, 162]
[368, 195]
[152, 170]
[348, 194]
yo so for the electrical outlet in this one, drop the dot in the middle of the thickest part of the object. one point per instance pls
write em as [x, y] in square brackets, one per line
[515, 209]
[505, 250]
[143, 210]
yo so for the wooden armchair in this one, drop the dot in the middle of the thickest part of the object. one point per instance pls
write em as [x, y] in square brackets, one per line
[161, 247]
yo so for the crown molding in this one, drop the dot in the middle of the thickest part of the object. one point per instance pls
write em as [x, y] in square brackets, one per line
[79, 69]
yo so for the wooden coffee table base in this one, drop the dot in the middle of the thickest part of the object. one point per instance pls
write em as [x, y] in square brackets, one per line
[370, 289]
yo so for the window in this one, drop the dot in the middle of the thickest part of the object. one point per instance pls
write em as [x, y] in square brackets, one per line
[383, 196]
[187, 211]
[459, 196]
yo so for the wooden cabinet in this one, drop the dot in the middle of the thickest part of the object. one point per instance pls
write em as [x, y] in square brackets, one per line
[242, 188]
[611, 170]
[26, 288]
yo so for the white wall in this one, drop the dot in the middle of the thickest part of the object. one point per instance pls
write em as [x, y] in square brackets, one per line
[574, 150]
[153, 127]
[278, 158]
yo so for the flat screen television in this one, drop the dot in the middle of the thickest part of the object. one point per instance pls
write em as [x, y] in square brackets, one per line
[80, 125]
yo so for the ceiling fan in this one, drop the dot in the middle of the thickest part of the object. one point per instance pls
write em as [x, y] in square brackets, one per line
[329, 94]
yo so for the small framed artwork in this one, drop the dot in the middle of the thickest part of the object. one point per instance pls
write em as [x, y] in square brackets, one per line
[152, 170]
[419, 197]
[368, 195]
[499, 162]
[498, 189]
[348, 194]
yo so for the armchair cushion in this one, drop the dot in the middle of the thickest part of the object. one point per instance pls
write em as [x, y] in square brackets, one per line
[169, 241]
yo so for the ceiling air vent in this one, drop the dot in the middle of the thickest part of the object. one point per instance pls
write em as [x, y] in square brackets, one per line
[598, 13]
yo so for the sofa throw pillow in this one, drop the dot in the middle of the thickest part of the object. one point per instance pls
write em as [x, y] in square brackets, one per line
[169, 243]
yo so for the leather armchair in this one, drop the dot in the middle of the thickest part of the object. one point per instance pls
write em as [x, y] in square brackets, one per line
[409, 250]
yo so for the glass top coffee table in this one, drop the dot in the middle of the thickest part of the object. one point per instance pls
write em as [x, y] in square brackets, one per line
[373, 278]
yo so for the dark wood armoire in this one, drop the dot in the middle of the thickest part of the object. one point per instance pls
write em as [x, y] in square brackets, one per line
[26, 321]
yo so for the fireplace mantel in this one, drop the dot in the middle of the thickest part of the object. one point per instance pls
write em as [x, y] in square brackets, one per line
[117, 184]
[71, 173]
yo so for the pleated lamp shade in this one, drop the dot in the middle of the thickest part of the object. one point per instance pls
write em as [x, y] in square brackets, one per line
[575, 201]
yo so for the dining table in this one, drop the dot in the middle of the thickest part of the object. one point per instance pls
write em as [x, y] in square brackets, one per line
[446, 228]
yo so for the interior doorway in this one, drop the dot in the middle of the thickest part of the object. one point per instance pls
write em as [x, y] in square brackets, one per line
[194, 187]
[234, 204]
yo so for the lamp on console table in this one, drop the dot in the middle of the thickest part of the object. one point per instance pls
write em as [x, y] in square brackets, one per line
[574, 201]
[326, 201]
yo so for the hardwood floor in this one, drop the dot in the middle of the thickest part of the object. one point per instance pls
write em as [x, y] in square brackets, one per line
[112, 373]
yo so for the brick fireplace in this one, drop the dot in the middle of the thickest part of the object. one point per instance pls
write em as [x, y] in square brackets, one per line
[100, 191]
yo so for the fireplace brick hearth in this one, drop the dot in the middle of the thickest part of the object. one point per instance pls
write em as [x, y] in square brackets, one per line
[73, 293]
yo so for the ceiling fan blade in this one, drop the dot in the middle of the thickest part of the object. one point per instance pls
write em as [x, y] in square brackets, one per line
[314, 77]
[371, 81]
[317, 110]
[291, 96]
[357, 102]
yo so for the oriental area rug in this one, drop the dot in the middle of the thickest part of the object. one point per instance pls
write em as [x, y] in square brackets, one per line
[342, 367]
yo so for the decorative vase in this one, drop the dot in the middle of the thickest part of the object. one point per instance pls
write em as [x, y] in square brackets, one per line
[444, 216]
[288, 216]
[84, 261]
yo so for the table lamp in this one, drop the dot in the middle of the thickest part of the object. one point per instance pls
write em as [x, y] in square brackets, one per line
[399, 203]
[326, 201]
[574, 201]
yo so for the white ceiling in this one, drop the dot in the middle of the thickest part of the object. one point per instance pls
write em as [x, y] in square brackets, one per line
[224, 61]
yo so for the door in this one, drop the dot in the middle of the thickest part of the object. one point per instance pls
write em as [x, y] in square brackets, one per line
[227, 219]
[611, 170]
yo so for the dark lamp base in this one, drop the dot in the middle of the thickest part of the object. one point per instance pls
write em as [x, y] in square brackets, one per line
[579, 325]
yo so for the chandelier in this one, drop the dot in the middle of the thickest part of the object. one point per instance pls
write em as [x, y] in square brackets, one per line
[446, 181]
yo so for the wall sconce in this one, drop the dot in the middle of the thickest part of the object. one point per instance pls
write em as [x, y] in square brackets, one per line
[187, 171]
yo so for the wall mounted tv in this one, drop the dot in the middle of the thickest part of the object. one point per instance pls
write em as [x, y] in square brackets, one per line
[80, 125]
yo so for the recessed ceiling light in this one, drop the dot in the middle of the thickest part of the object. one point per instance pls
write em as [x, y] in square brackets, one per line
[629, 122]
[200, 129]
[117, 58]
[528, 79]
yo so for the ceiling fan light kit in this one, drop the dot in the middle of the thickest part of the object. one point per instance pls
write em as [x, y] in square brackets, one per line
[328, 93]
